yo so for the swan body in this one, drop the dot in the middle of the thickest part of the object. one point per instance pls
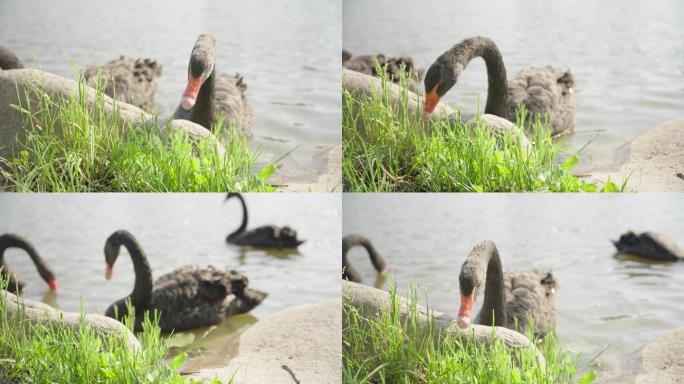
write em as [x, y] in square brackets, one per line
[267, 236]
[209, 94]
[349, 272]
[15, 283]
[133, 81]
[649, 245]
[545, 92]
[8, 60]
[367, 64]
[511, 299]
[189, 297]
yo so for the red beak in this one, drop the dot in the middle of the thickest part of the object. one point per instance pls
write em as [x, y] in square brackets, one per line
[466, 310]
[431, 100]
[52, 283]
[109, 272]
[191, 90]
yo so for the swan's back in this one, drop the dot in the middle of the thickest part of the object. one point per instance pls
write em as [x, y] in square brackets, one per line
[531, 293]
[133, 81]
[269, 236]
[8, 60]
[545, 92]
[367, 64]
[229, 99]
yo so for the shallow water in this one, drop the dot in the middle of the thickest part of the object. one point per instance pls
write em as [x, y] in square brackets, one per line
[287, 52]
[69, 231]
[627, 58]
[603, 301]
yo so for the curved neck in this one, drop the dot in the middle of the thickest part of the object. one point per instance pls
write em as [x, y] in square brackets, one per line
[484, 259]
[353, 240]
[14, 241]
[243, 226]
[497, 92]
[203, 111]
[142, 290]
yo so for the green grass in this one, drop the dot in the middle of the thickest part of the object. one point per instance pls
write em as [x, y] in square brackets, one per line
[386, 148]
[40, 353]
[384, 349]
[71, 147]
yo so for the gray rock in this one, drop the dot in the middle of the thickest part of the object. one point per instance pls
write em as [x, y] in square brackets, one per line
[300, 344]
[38, 313]
[322, 174]
[499, 126]
[23, 82]
[654, 161]
[657, 362]
[370, 301]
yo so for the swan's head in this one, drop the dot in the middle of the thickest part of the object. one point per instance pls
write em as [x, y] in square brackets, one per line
[111, 251]
[439, 79]
[201, 66]
[231, 195]
[470, 283]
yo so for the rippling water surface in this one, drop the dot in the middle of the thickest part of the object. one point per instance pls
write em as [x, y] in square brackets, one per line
[70, 230]
[603, 302]
[288, 53]
[627, 57]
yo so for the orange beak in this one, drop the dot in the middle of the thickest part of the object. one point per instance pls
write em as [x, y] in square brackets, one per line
[191, 90]
[466, 310]
[53, 284]
[109, 272]
[431, 100]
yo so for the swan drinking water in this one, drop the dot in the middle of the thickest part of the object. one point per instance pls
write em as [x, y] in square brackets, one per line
[15, 283]
[348, 272]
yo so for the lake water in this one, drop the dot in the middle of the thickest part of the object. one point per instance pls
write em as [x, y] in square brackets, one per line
[69, 231]
[627, 58]
[603, 302]
[288, 53]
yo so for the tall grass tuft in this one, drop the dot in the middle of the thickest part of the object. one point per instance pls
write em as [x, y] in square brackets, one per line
[71, 147]
[387, 148]
[383, 349]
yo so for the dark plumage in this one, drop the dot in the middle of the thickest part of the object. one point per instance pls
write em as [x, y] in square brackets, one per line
[209, 93]
[267, 236]
[15, 283]
[189, 297]
[510, 298]
[649, 245]
[545, 92]
[350, 241]
[8, 60]
[133, 81]
[367, 64]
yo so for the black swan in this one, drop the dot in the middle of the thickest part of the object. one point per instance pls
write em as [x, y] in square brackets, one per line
[367, 64]
[348, 272]
[209, 93]
[649, 245]
[189, 297]
[15, 284]
[267, 236]
[511, 299]
[545, 92]
[8, 60]
[133, 81]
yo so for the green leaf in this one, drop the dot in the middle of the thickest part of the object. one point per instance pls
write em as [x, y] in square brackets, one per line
[177, 361]
[588, 378]
[588, 187]
[569, 163]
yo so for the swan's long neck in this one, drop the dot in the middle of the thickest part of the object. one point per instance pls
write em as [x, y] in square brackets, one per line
[243, 226]
[376, 259]
[203, 111]
[142, 290]
[14, 241]
[484, 261]
[497, 91]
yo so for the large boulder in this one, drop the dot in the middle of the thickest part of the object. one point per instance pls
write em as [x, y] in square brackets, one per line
[658, 362]
[17, 85]
[654, 161]
[370, 301]
[35, 313]
[299, 344]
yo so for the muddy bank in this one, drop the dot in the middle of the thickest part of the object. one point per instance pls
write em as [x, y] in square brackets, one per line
[657, 362]
[654, 161]
[299, 344]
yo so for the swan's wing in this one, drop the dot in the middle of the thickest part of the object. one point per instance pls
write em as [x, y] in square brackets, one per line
[132, 81]
[229, 100]
[530, 295]
[259, 234]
